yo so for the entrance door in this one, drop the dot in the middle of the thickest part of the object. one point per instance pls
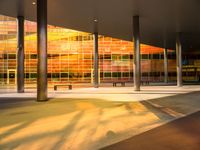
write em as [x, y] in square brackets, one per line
[11, 77]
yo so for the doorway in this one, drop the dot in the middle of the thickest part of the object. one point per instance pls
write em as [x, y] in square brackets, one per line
[11, 77]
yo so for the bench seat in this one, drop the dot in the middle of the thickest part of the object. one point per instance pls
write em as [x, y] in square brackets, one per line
[118, 82]
[57, 85]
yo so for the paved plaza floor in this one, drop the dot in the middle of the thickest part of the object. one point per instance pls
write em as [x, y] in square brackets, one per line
[89, 118]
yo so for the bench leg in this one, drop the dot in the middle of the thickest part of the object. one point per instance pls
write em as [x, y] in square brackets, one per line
[70, 87]
[55, 88]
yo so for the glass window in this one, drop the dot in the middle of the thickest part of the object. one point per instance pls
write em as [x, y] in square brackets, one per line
[33, 75]
[116, 74]
[106, 56]
[107, 74]
[145, 56]
[125, 56]
[116, 57]
[12, 56]
[64, 75]
[125, 74]
[87, 75]
[156, 56]
[27, 75]
[55, 75]
[33, 56]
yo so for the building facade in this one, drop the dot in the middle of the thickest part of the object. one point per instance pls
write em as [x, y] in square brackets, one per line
[70, 57]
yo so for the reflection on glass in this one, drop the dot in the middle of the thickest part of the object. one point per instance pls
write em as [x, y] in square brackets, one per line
[70, 56]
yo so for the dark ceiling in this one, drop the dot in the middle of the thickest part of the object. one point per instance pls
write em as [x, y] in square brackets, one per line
[159, 19]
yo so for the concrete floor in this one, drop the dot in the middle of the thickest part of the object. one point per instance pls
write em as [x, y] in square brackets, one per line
[88, 118]
[180, 134]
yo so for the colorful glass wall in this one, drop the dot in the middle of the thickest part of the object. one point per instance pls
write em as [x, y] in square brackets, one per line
[70, 56]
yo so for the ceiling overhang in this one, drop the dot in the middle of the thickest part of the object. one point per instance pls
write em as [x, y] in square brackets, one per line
[159, 19]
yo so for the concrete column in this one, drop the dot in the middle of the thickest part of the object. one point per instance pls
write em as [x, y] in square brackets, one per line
[165, 66]
[42, 50]
[96, 61]
[20, 55]
[179, 60]
[136, 40]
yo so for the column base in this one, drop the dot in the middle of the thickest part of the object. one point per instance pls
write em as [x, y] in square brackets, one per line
[40, 100]
[20, 91]
[137, 90]
[96, 86]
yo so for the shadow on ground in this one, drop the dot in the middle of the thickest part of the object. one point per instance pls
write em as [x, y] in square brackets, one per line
[181, 134]
[93, 123]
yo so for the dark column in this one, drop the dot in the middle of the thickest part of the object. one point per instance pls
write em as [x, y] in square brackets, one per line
[20, 55]
[179, 59]
[42, 50]
[136, 40]
[165, 66]
[96, 61]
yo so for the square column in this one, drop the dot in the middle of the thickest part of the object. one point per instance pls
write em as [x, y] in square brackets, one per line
[20, 54]
[96, 61]
[165, 65]
[179, 60]
[136, 40]
[42, 50]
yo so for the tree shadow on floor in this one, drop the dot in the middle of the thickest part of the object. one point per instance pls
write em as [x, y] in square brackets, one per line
[24, 115]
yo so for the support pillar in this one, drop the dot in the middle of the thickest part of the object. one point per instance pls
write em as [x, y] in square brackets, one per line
[165, 66]
[136, 40]
[20, 55]
[179, 60]
[96, 61]
[42, 50]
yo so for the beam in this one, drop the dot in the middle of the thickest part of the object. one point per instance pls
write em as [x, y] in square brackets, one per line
[42, 50]
[20, 54]
[179, 59]
[165, 66]
[136, 40]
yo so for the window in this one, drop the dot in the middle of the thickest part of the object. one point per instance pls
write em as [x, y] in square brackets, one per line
[145, 56]
[125, 57]
[156, 56]
[27, 75]
[33, 75]
[55, 75]
[12, 56]
[116, 74]
[125, 74]
[116, 57]
[107, 74]
[107, 56]
[87, 75]
[64, 75]
[33, 56]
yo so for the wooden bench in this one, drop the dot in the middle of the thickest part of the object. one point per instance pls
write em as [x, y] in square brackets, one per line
[115, 83]
[56, 86]
[143, 82]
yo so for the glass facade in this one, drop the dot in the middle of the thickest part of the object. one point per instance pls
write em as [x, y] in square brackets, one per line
[70, 56]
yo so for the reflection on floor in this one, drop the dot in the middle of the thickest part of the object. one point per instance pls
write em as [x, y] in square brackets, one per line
[88, 118]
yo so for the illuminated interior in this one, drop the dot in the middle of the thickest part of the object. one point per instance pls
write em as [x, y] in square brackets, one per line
[70, 57]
